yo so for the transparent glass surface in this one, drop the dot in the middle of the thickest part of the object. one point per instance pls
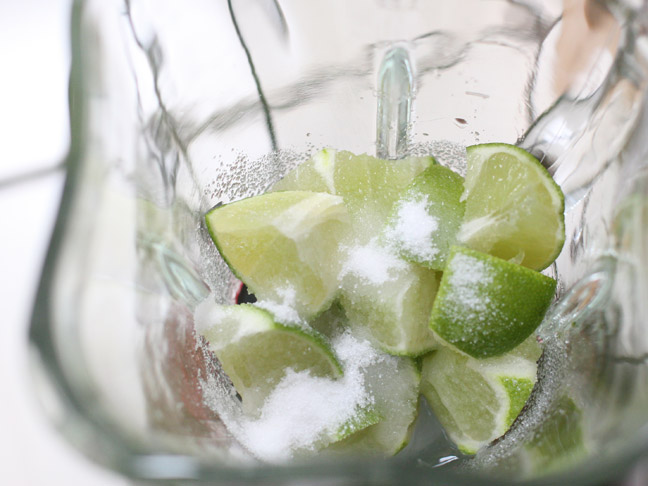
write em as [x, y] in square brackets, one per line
[179, 106]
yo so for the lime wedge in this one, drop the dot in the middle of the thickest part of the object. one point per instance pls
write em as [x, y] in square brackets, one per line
[391, 381]
[514, 209]
[317, 174]
[486, 306]
[256, 352]
[559, 441]
[285, 247]
[388, 300]
[427, 217]
[476, 401]
[368, 185]
[394, 384]
[382, 294]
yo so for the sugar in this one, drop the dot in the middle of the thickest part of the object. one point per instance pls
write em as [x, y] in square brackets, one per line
[372, 262]
[468, 271]
[284, 309]
[414, 229]
[294, 416]
[354, 353]
[207, 314]
[304, 412]
[300, 413]
[470, 280]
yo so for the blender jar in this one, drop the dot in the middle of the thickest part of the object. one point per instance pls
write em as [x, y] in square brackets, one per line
[179, 106]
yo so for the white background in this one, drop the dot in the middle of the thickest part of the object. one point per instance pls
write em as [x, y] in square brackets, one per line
[34, 61]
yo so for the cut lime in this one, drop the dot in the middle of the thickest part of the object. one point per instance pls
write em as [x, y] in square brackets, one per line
[391, 382]
[486, 306]
[476, 401]
[554, 444]
[256, 352]
[380, 292]
[369, 186]
[559, 441]
[389, 300]
[285, 247]
[394, 384]
[514, 209]
[298, 393]
[318, 174]
[427, 217]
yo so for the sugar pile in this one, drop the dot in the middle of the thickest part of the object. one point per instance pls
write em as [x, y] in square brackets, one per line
[414, 229]
[372, 262]
[304, 412]
[471, 280]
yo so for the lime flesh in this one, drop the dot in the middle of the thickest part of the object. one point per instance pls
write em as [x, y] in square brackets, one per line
[514, 209]
[392, 308]
[368, 185]
[285, 247]
[476, 401]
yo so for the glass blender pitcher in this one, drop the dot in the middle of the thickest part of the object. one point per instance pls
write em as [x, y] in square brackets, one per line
[179, 106]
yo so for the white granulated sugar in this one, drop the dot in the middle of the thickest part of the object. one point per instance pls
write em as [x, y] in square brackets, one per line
[471, 279]
[372, 262]
[354, 353]
[283, 309]
[216, 319]
[414, 229]
[207, 314]
[304, 412]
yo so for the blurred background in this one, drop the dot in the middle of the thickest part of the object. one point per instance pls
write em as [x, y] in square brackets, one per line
[34, 136]
[34, 133]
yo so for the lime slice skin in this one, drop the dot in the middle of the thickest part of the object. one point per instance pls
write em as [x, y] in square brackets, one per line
[284, 246]
[255, 351]
[514, 208]
[518, 390]
[486, 306]
[361, 420]
[427, 218]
